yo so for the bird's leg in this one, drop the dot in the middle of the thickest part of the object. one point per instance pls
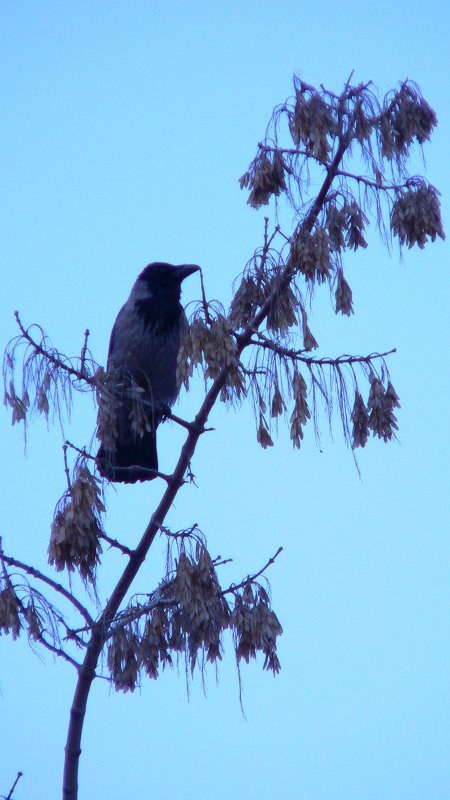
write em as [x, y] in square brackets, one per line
[152, 473]
[190, 426]
[167, 414]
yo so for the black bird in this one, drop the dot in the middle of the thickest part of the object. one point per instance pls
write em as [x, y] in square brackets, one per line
[141, 373]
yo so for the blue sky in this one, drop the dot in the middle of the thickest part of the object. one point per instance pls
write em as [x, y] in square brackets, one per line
[125, 129]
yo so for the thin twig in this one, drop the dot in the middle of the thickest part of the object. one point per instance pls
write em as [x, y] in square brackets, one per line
[66, 468]
[384, 187]
[84, 351]
[14, 562]
[131, 615]
[178, 420]
[291, 151]
[299, 355]
[115, 543]
[251, 578]
[57, 651]
[50, 357]
[80, 450]
[9, 796]
[204, 301]
[219, 561]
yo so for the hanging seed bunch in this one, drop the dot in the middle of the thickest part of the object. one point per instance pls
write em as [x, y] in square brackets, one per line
[343, 295]
[202, 613]
[381, 404]
[190, 354]
[42, 383]
[76, 528]
[311, 122]
[154, 645]
[301, 412]
[261, 282]
[35, 624]
[255, 627]
[247, 300]
[406, 117]
[123, 659]
[345, 225]
[47, 376]
[311, 254]
[213, 347]
[265, 177]
[309, 342]
[378, 416]
[10, 608]
[19, 405]
[416, 215]
[277, 406]
[263, 436]
[189, 614]
[283, 309]
[360, 420]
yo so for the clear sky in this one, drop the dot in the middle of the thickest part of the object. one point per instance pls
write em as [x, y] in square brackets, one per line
[125, 128]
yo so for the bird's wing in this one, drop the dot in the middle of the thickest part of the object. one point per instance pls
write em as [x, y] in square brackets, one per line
[116, 327]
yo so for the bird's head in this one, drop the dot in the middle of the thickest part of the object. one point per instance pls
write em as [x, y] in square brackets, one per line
[160, 276]
[162, 281]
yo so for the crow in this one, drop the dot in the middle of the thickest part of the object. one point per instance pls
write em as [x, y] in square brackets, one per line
[141, 382]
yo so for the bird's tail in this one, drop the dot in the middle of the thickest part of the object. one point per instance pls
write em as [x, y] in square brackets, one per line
[130, 461]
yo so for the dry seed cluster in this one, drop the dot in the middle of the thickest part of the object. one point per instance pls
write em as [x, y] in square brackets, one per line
[191, 623]
[214, 348]
[264, 178]
[247, 299]
[416, 215]
[301, 411]
[343, 296]
[381, 404]
[310, 124]
[256, 628]
[407, 117]
[360, 419]
[309, 342]
[74, 539]
[310, 254]
[9, 612]
[123, 659]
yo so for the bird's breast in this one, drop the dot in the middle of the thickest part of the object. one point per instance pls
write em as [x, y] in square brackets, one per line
[145, 348]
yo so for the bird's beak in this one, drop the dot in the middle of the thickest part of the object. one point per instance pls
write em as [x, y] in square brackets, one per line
[186, 269]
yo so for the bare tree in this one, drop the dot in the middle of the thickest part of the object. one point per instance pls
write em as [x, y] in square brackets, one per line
[261, 349]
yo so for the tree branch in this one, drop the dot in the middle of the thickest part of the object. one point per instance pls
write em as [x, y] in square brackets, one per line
[10, 794]
[126, 551]
[101, 629]
[384, 187]
[35, 573]
[299, 355]
[57, 651]
[81, 375]
[251, 578]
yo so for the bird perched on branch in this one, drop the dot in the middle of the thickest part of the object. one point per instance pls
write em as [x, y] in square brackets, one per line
[140, 381]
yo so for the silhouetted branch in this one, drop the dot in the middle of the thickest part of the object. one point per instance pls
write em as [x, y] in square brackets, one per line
[83, 352]
[251, 578]
[57, 651]
[126, 551]
[299, 355]
[378, 185]
[79, 374]
[35, 573]
[10, 794]
[80, 450]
